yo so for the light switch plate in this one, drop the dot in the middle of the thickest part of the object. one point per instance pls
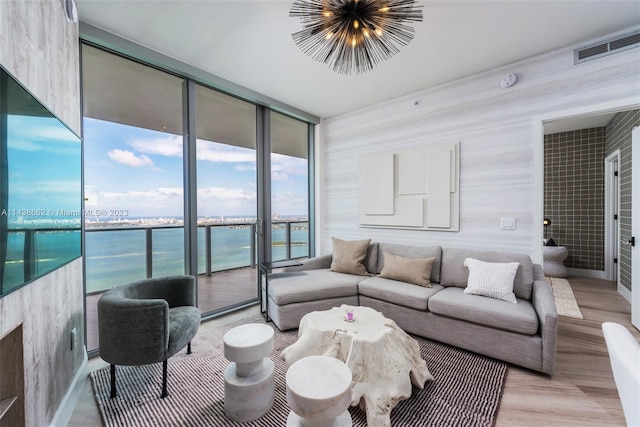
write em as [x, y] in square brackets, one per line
[507, 223]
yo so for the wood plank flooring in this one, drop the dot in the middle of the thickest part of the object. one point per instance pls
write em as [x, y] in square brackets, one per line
[581, 393]
[220, 290]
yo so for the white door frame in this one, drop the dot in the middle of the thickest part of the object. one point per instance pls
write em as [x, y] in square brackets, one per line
[611, 224]
[635, 229]
[538, 122]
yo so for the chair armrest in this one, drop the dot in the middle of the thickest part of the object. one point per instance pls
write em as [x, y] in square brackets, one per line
[545, 306]
[316, 263]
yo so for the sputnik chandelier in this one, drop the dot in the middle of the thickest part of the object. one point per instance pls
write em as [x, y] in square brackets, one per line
[353, 35]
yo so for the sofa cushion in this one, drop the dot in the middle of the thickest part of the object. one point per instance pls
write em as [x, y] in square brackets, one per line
[411, 270]
[349, 256]
[409, 251]
[454, 273]
[491, 279]
[453, 302]
[371, 260]
[311, 285]
[396, 292]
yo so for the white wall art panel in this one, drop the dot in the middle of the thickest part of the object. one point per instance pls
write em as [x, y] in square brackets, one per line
[412, 173]
[422, 194]
[376, 180]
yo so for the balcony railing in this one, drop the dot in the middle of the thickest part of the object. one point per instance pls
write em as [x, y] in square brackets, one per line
[221, 246]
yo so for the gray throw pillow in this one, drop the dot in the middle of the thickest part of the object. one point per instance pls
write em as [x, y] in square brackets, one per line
[349, 255]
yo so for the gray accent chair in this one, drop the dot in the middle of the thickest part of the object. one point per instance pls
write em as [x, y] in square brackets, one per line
[147, 321]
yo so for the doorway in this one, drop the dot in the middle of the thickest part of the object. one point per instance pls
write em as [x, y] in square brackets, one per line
[614, 232]
[611, 214]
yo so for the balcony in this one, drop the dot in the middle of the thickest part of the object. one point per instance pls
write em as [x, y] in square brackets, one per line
[227, 273]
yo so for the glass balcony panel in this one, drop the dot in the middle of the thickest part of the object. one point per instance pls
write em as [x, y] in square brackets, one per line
[168, 251]
[113, 258]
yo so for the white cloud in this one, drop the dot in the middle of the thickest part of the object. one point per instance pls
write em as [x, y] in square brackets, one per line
[279, 176]
[223, 153]
[227, 201]
[167, 201]
[23, 144]
[284, 166]
[287, 199]
[168, 146]
[129, 158]
[163, 201]
[215, 152]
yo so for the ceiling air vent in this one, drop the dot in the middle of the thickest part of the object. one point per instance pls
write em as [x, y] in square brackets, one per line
[601, 49]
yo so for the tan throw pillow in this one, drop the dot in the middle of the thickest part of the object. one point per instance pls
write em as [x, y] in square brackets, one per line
[411, 270]
[491, 279]
[348, 256]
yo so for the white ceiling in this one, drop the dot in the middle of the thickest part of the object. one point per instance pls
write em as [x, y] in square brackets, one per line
[250, 44]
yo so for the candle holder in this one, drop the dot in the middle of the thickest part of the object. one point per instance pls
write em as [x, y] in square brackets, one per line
[349, 314]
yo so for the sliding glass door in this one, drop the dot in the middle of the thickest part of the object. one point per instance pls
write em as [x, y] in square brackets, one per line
[289, 188]
[227, 200]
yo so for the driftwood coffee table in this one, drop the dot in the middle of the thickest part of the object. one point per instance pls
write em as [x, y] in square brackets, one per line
[383, 359]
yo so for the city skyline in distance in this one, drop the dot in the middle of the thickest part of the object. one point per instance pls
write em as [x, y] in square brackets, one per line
[139, 171]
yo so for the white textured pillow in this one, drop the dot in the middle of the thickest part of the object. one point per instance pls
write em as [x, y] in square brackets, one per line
[491, 279]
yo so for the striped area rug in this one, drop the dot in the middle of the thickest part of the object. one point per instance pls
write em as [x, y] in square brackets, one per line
[466, 391]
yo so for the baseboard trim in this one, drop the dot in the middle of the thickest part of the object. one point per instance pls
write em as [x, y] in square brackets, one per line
[594, 274]
[626, 293]
[71, 399]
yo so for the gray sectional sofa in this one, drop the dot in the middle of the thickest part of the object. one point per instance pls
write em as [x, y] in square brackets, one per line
[524, 334]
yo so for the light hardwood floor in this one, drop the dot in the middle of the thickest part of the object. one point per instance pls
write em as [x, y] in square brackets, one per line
[581, 393]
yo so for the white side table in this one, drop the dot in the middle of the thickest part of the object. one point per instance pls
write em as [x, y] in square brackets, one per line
[553, 261]
[248, 380]
[319, 393]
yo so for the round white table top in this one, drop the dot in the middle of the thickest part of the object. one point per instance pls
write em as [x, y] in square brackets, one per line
[248, 343]
[319, 378]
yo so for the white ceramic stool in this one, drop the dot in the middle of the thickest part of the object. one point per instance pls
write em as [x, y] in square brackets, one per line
[319, 393]
[248, 380]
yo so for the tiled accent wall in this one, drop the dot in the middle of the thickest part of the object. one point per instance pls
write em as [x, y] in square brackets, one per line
[619, 138]
[574, 194]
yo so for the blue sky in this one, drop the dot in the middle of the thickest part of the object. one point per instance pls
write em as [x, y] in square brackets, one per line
[140, 170]
[40, 148]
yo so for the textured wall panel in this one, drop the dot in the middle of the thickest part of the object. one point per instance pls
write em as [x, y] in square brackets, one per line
[40, 48]
[618, 136]
[574, 194]
[496, 129]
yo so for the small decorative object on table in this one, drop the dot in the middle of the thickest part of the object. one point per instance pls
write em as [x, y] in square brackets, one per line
[349, 314]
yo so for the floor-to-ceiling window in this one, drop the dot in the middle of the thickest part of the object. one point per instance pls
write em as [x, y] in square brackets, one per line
[226, 193]
[135, 167]
[289, 188]
[133, 175]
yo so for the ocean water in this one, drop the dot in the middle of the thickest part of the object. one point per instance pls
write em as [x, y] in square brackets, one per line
[52, 249]
[118, 256]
